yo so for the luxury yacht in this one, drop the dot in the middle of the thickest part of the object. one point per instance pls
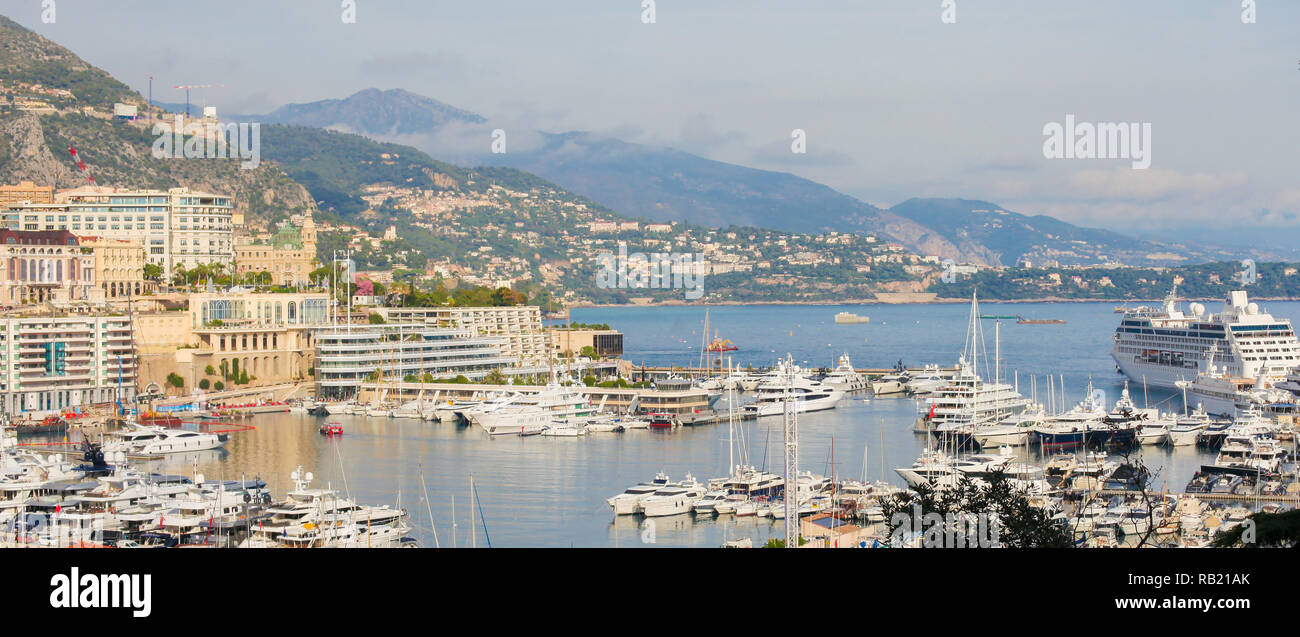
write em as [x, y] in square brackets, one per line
[808, 395]
[844, 377]
[629, 501]
[532, 413]
[150, 441]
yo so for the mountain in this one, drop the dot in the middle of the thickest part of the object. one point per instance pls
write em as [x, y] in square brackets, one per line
[665, 184]
[31, 59]
[375, 113]
[70, 109]
[1001, 237]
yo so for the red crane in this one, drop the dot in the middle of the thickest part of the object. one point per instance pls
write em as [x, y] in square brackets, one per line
[82, 165]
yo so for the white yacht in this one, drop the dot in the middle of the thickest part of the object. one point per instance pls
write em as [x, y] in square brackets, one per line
[927, 380]
[1164, 345]
[1187, 429]
[895, 383]
[532, 413]
[150, 441]
[629, 501]
[674, 499]
[934, 465]
[785, 383]
[705, 505]
[808, 395]
[966, 402]
[844, 377]
[1014, 430]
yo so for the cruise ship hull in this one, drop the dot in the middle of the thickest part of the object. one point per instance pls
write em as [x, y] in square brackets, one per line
[1154, 375]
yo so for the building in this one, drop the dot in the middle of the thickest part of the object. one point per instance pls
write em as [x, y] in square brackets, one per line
[177, 226]
[40, 266]
[348, 355]
[53, 364]
[267, 335]
[287, 258]
[607, 343]
[119, 267]
[520, 327]
[25, 192]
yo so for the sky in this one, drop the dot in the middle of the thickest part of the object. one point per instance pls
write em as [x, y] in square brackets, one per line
[895, 102]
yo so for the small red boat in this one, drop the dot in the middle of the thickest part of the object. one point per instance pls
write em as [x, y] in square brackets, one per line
[331, 429]
[722, 345]
[663, 421]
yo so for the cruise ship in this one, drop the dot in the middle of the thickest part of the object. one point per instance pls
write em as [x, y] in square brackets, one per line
[1160, 346]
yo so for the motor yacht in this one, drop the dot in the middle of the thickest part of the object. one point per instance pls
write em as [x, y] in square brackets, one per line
[150, 441]
[844, 377]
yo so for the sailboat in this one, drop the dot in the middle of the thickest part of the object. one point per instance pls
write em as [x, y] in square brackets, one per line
[966, 402]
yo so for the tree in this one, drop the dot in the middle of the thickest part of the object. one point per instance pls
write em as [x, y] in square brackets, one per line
[1280, 530]
[204, 384]
[153, 272]
[495, 377]
[243, 377]
[376, 319]
[209, 371]
[588, 351]
[219, 386]
[175, 380]
[1018, 523]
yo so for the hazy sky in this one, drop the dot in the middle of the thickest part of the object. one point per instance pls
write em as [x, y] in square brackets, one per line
[895, 102]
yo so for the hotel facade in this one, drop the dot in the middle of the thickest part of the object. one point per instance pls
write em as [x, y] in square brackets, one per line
[523, 337]
[347, 355]
[176, 226]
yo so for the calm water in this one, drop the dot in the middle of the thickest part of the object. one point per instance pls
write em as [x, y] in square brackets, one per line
[551, 491]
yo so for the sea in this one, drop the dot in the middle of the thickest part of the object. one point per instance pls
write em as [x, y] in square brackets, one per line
[551, 492]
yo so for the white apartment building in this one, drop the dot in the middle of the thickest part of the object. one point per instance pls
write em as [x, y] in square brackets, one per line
[520, 327]
[55, 363]
[175, 226]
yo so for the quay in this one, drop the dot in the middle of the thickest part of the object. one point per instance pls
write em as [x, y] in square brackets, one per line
[689, 405]
[659, 372]
[1220, 497]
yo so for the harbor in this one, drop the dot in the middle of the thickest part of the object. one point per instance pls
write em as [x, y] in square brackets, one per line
[865, 432]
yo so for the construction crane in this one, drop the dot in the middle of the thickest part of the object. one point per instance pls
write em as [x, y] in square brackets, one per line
[187, 88]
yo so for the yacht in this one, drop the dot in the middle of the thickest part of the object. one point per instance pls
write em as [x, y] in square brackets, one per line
[966, 402]
[151, 441]
[673, 499]
[1014, 430]
[532, 414]
[927, 380]
[1165, 345]
[844, 377]
[1187, 429]
[705, 505]
[895, 383]
[340, 408]
[932, 466]
[808, 395]
[629, 501]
